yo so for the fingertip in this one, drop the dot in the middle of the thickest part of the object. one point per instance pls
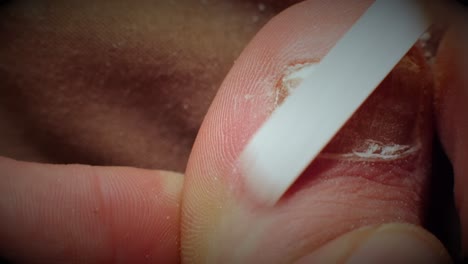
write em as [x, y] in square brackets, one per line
[77, 213]
[348, 188]
[388, 243]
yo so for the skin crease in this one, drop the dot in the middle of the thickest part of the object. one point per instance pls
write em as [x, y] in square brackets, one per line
[316, 211]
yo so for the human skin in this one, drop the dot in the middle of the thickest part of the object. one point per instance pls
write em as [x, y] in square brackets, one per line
[337, 193]
[87, 77]
[105, 205]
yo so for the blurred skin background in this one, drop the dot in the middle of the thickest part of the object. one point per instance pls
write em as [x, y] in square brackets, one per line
[116, 82]
[128, 83]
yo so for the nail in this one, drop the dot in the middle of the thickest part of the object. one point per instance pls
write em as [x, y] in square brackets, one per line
[388, 243]
[399, 244]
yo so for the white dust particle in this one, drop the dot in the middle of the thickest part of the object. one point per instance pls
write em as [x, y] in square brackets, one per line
[255, 19]
[261, 7]
[248, 97]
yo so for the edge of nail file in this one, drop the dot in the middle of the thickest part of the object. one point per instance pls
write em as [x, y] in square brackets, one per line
[298, 130]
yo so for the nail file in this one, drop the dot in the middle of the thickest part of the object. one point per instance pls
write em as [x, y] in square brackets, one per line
[298, 130]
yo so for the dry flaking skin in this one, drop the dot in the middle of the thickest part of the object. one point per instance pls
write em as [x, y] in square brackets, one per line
[396, 120]
[292, 77]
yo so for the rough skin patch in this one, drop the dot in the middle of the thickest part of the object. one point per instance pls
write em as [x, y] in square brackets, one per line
[357, 142]
[291, 78]
[295, 74]
[375, 150]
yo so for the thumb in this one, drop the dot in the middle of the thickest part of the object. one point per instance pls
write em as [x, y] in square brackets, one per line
[388, 243]
[374, 171]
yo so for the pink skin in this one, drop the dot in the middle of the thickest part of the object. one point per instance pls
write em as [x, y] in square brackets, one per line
[77, 214]
[84, 214]
[221, 219]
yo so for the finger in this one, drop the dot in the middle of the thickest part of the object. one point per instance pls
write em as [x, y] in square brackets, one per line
[451, 109]
[84, 214]
[389, 243]
[375, 171]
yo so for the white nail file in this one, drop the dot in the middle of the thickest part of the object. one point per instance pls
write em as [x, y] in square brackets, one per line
[309, 118]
